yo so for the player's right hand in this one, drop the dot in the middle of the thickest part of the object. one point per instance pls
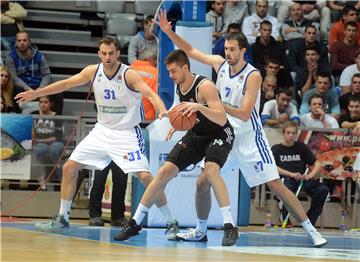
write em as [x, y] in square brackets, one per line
[164, 24]
[25, 96]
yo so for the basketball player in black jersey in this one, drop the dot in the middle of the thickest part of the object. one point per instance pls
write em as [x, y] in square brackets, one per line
[211, 138]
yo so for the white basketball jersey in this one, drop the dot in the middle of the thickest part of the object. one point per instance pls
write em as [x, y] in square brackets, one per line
[119, 107]
[232, 90]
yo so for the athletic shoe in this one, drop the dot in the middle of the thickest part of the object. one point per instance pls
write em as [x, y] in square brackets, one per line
[56, 225]
[317, 239]
[193, 235]
[230, 235]
[96, 222]
[130, 229]
[172, 230]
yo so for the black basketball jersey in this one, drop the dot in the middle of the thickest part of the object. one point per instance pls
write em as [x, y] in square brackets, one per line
[203, 124]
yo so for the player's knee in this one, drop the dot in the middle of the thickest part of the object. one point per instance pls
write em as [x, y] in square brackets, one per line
[145, 178]
[70, 169]
[202, 185]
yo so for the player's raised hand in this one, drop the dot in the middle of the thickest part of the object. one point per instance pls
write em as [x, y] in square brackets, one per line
[164, 24]
[25, 96]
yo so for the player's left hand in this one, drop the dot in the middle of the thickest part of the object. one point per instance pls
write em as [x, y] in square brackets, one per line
[188, 108]
[163, 114]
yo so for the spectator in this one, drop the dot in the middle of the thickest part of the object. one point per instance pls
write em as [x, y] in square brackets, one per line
[274, 67]
[337, 7]
[357, 166]
[343, 52]
[322, 88]
[146, 68]
[29, 68]
[268, 89]
[354, 91]
[8, 92]
[235, 11]
[338, 29]
[294, 27]
[47, 138]
[351, 118]
[119, 184]
[251, 24]
[348, 72]
[219, 48]
[11, 16]
[144, 40]
[266, 47]
[278, 111]
[317, 118]
[292, 158]
[217, 18]
[297, 49]
[273, 6]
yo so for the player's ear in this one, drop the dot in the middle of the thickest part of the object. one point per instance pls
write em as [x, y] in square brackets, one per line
[98, 53]
[118, 54]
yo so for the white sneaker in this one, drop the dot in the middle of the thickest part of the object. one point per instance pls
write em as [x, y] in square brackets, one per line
[317, 239]
[192, 235]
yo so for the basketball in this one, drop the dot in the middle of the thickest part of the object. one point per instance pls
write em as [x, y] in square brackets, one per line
[180, 122]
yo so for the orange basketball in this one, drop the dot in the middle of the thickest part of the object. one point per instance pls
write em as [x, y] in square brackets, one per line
[180, 122]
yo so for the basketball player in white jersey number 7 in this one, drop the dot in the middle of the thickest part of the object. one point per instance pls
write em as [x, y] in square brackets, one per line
[239, 86]
[116, 136]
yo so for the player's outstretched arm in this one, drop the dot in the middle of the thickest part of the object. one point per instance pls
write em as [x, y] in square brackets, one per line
[136, 82]
[214, 60]
[81, 78]
[253, 85]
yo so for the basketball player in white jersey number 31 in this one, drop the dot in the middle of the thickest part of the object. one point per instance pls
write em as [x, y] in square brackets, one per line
[239, 86]
[116, 136]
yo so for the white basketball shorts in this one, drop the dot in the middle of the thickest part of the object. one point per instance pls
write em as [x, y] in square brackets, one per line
[125, 147]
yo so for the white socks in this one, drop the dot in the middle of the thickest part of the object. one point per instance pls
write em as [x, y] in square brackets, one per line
[65, 206]
[307, 226]
[201, 225]
[140, 213]
[226, 213]
[165, 211]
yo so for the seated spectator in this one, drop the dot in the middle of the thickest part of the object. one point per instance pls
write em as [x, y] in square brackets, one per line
[268, 89]
[217, 18]
[251, 24]
[8, 92]
[317, 118]
[47, 138]
[351, 118]
[29, 69]
[274, 67]
[329, 95]
[297, 49]
[11, 16]
[119, 184]
[219, 48]
[144, 40]
[338, 29]
[278, 111]
[349, 72]
[343, 51]
[146, 68]
[272, 9]
[354, 91]
[337, 7]
[294, 27]
[292, 158]
[266, 47]
[235, 11]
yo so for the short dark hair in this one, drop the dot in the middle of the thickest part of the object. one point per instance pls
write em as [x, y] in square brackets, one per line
[310, 26]
[285, 91]
[273, 60]
[179, 57]
[315, 96]
[240, 38]
[347, 9]
[354, 98]
[235, 26]
[265, 22]
[312, 47]
[324, 74]
[108, 41]
[355, 75]
[148, 19]
[352, 23]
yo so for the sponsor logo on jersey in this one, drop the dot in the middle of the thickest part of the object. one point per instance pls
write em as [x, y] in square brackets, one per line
[113, 109]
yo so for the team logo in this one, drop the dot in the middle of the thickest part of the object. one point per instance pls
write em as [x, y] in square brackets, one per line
[258, 167]
[241, 78]
[191, 100]
[119, 79]
[125, 157]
